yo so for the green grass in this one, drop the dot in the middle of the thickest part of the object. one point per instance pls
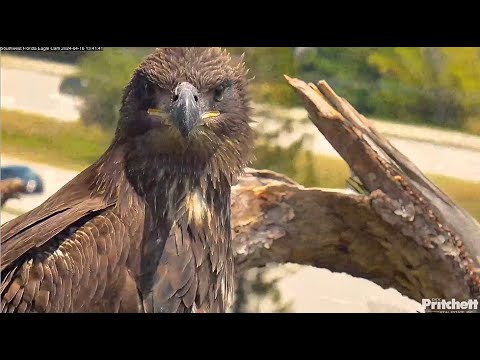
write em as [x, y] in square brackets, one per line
[324, 171]
[75, 146]
[38, 138]
[472, 126]
[304, 167]
[463, 192]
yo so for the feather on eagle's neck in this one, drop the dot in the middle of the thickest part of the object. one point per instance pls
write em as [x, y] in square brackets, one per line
[174, 189]
[168, 192]
[199, 166]
[161, 179]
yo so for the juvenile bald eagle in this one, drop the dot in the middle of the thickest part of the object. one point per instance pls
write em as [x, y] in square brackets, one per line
[146, 228]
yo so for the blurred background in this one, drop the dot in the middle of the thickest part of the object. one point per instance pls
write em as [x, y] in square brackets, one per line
[59, 110]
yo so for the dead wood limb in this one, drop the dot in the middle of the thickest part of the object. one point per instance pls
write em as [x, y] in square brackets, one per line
[406, 234]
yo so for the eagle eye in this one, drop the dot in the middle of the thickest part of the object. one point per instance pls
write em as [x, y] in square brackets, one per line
[218, 93]
[146, 94]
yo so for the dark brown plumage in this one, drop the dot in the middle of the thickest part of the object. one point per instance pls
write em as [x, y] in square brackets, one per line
[11, 189]
[147, 227]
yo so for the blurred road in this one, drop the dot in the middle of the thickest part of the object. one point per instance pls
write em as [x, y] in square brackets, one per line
[38, 93]
[445, 160]
[312, 290]
[54, 178]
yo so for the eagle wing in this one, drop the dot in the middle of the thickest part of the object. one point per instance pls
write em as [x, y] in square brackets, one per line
[44, 261]
[34, 228]
[72, 253]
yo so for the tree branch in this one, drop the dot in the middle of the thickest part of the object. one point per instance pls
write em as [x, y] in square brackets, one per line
[405, 234]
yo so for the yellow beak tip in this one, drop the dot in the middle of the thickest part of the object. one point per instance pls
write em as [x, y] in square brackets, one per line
[153, 111]
[210, 114]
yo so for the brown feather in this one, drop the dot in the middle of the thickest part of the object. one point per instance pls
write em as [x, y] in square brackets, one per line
[147, 226]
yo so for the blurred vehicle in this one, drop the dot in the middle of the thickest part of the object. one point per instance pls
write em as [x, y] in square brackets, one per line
[73, 85]
[31, 181]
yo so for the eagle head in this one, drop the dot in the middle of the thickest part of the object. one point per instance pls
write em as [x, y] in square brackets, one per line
[189, 103]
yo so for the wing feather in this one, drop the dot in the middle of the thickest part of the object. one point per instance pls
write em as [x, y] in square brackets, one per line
[62, 255]
[33, 229]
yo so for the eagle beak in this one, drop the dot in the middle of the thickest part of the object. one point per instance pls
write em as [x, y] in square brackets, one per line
[209, 115]
[186, 108]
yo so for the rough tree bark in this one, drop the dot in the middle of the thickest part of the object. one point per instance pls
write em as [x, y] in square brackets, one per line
[405, 234]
